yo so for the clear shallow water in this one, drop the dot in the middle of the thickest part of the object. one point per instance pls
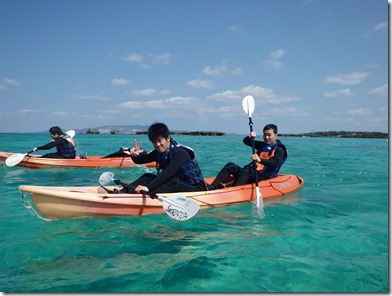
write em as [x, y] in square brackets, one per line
[331, 236]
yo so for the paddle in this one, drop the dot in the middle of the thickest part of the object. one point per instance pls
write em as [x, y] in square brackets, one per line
[248, 104]
[177, 207]
[16, 158]
[69, 134]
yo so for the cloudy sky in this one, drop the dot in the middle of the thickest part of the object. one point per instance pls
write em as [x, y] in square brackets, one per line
[311, 65]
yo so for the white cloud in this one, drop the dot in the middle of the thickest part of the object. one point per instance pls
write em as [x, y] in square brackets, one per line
[199, 83]
[168, 104]
[274, 60]
[30, 111]
[261, 94]
[165, 91]
[110, 112]
[144, 92]
[277, 54]
[359, 111]
[134, 58]
[380, 26]
[12, 82]
[235, 29]
[119, 81]
[226, 95]
[131, 105]
[382, 90]
[257, 91]
[273, 63]
[352, 78]
[163, 58]
[345, 92]
[91, 97]
[289, 111]
[183, 102]
[59, 113]
[8, 82]
[148, 92]
[236, 71]
[221, 69]
[215, 71]
[152, 59]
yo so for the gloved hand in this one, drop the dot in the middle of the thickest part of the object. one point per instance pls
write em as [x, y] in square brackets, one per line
[35, 149]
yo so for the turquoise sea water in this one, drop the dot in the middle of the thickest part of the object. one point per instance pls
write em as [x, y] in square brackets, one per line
[330, 236]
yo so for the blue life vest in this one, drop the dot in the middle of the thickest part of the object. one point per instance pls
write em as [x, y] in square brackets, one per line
[189, 172]
[268, 152]
[67, 150]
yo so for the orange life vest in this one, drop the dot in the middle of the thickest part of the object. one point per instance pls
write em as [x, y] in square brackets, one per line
[264, 155]
[267, 153]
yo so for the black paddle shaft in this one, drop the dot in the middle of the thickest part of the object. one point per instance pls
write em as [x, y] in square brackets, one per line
[253, 150]
[251, 138]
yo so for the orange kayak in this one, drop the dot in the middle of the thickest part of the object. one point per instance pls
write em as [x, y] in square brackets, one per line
[36, 161]
[52, 202]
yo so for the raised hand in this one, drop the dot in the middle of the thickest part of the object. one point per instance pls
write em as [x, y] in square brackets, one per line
[136, 150]
[252, 134]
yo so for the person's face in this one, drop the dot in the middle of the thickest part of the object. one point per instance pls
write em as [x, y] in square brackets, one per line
[269, 136]
[161, 144]
[54, 136]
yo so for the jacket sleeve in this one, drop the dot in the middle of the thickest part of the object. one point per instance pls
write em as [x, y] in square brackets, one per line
[178, 159]
[48, 146]
[247, 141]
[258, 144]
[145, 157]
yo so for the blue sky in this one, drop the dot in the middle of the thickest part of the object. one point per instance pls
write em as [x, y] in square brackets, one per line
[311, 65]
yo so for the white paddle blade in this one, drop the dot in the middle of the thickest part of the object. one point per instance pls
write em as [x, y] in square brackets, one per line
[248, 104]
[70, 133]
[14, 159]
[259, 198]
[180, 208]
[106, 178]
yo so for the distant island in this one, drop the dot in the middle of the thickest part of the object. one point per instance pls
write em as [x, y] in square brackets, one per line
[197, 133]
[142, 130]
[340, 134]
[113, 129]
[116, 132]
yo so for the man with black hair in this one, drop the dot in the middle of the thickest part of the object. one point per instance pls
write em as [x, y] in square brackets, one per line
[269, 157]
[178, 170]
[64, 146]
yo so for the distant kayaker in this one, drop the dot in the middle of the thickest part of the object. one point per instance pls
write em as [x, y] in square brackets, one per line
[64, 144]
[269, 157]
[177, 167]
